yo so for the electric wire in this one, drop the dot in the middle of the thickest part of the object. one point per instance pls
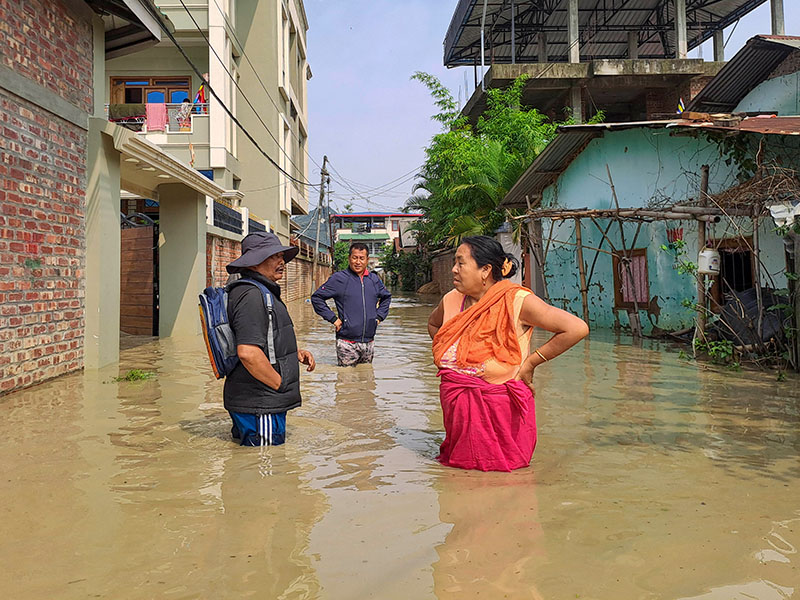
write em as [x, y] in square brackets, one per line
[211, 90]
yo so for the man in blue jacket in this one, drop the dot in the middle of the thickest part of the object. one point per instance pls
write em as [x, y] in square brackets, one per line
[361, 301]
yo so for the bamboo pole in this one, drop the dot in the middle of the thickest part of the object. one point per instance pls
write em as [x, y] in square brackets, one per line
[582, 271]
[757, 278]
[701, 244]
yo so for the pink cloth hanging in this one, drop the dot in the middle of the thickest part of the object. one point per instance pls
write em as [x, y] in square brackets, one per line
[156, 117]
[488, 427]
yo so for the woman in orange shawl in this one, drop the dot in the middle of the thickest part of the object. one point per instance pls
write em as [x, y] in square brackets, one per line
[481, 334]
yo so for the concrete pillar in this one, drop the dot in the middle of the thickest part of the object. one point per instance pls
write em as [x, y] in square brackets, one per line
[576, 103]
[541, 43]
[513, 34]
[573, 33]
[719, 45]
[778, 25]
[182, 258]
[101, 344]
[681, 45]
[633, 44]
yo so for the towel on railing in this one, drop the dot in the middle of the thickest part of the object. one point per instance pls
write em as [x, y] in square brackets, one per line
[156, 117]
[117, 112]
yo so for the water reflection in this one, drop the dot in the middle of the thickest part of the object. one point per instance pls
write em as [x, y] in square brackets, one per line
[652, 478]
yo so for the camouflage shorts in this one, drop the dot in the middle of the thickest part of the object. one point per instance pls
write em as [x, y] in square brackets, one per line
[349, 354]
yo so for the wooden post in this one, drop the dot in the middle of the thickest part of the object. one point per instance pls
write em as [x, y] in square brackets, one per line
[582, 271]
[757, 282]
[794, 286]
[633, 314]
[701, 243]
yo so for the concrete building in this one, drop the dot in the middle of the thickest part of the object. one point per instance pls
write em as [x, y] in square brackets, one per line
[628, 59]
[376, 230]
[657, 172]
[254, 56]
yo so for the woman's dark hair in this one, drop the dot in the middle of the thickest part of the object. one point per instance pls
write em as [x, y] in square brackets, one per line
[488, 251]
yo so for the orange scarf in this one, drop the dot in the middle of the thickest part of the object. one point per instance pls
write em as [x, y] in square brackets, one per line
[487, 329]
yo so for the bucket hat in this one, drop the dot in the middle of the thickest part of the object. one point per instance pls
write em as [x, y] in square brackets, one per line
[258, 247]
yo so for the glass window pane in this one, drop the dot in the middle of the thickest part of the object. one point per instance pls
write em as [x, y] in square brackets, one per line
[178, 96]
[155, 97]
[137, 82]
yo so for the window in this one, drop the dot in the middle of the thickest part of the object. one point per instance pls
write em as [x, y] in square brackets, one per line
[395, 225]
[737, 269]
[156, 90]
[630, 279]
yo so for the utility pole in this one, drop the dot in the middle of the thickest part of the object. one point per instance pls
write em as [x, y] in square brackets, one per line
[323, 174]
[330, 223]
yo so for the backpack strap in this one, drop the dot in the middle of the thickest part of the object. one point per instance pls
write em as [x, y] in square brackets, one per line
[269, 305]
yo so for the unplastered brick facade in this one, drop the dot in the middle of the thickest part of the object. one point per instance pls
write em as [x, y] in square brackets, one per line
[42, 200]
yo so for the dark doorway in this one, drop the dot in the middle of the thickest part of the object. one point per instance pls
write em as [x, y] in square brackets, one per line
[736, 269]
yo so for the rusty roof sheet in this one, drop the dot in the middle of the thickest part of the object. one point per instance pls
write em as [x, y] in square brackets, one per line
[765, 124]
[748, 67]
[604, 28]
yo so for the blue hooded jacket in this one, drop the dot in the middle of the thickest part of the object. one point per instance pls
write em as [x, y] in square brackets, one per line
[360, 301]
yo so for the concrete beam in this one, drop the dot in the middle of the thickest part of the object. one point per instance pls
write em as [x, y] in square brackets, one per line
[778, 24]
[633, 45]
[681, 44]
[719, 45]
[182, 258]
[573, 33]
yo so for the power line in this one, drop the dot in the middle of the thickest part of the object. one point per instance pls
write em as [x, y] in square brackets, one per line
[252, 66]
[236, 83]
[169, 34]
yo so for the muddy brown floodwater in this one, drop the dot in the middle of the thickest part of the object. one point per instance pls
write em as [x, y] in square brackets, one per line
[653, 478]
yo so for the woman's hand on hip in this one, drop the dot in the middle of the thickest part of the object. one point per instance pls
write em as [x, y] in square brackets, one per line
[525, 375]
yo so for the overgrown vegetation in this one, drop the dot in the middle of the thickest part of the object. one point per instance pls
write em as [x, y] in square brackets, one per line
[469, 170]
[409, 270]
[341, 255]
[135, 375]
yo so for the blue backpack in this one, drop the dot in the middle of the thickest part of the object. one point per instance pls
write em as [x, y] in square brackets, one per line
[217, 332]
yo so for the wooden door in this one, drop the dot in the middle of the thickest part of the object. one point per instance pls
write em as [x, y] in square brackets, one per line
[138, 281]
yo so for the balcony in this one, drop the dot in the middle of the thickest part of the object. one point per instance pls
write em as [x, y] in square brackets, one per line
[182, 129]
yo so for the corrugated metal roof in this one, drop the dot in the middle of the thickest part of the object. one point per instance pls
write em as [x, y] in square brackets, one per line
[604, 28]
[572, 139]
[749, 67]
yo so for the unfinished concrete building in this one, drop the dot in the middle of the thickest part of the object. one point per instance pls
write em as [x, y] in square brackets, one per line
[628, 58]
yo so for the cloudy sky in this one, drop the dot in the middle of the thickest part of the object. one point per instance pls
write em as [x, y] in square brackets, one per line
[366, 114]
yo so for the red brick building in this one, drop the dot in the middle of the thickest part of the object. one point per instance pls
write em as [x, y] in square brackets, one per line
[45, 98]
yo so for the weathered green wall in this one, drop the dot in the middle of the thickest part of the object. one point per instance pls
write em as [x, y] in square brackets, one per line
[781, 94]
[647, 165]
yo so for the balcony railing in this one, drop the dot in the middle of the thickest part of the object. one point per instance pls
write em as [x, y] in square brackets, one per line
[176, 118]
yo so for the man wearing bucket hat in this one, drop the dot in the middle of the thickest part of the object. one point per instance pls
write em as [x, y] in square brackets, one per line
[266, 382]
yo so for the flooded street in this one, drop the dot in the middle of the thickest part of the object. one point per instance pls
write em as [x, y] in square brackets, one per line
[653, 478]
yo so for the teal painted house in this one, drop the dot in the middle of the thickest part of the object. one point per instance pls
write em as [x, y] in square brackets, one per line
[657, 169]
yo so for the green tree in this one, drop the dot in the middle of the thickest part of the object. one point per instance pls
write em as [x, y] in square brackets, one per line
[468, 171]
[341, 255]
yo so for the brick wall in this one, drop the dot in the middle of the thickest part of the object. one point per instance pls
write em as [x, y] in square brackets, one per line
[42, 244]
[661, 102]
[442, 270]
[42, 199]
[790, 64]
[48, 44]
[296, 282]
[219, 252]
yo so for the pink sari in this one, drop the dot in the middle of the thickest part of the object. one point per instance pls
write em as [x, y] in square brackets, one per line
[488, 427]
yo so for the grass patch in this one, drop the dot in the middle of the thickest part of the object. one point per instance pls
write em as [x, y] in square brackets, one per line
[136, 375]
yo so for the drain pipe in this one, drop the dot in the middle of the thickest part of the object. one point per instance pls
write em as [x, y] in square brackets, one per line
[483, 27]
